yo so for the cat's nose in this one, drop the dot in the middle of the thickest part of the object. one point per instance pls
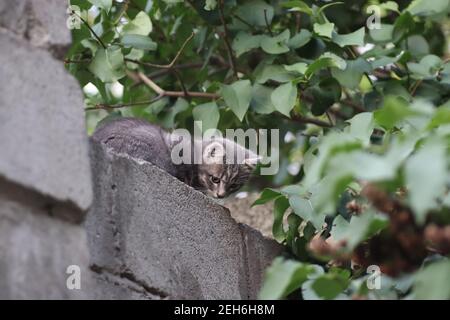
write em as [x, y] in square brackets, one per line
[220, 195]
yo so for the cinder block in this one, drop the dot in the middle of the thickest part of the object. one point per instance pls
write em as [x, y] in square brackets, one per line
[162, 234]
[36, 249]
[44, 145]
[112, 287]
[259, 253]
[42, 22]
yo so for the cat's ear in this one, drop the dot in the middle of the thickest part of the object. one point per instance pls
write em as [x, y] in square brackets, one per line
[213, 153]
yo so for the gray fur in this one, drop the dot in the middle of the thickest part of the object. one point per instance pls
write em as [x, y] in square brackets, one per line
[149, 142]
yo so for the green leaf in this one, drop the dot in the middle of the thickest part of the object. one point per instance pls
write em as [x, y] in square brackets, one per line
[237, 96]
[358, 229]
[280, 206]
[383, 34]
[103, 4]
[383, 61]
[108, 65]
[426, 175]
[441, 116]
[261, 102]
[284, 98]
[303, 208]
[266, 196]
[351, 76]
[253, 12]
[283, 277]
[293, 189]
[364, 166]
[208, 113]
[392, 113]
[328, 286]
[445, 73]
[403, 26]
[428, 8]
[352, 39]
[244, 42]
[138, 41]
[277, 44]
[361, 127]
[427, 67]
[324, 30]
[431, 283]
[168, 120]
[299, 67]
[141, 25]
[300, 39]
[210, 5]
[297, 6]
[325, 94]
[265, 72]
[328, 5]
[390, 5]
[418, 46]
[327, 60]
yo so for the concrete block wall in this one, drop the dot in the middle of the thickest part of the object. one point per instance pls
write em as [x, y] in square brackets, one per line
[165, 238]
[134, 231]
[45, 178]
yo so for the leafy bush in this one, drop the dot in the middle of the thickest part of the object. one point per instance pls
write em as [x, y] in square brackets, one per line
[364, 112]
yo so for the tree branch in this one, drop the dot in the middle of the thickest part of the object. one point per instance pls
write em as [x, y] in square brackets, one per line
[164, 66]
[147, 81]
[226, 40]
[267, 23]
[317, 122]
[103, 106]
[358, 108]
[90, 29]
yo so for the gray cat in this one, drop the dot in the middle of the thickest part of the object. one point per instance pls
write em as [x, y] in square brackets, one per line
[215, 176]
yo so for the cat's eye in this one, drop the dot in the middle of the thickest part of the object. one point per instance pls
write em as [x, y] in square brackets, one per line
[234, 186]
[215, 179]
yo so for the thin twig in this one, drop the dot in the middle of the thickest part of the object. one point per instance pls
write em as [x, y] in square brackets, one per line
[165, 93]
[123, 9]
[159, 73]
[267, 23]
[180, 80]
[329, 118]
[163, 66]
[317, 122]
[415, 86]
[355, 56]
[355, 106]
[243, 21]
[226, 40]
[298, 22]
[338, 113]
[149, 83]
[69, 61]
[90, 29]
[103, 106]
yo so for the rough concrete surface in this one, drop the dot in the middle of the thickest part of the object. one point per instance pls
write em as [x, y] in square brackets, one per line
[150, 228]
[42, 118]
[41, 22]
[45, 180]
[146, 236]
[36, 249]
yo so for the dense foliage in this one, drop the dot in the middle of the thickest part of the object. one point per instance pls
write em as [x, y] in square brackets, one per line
[364, 116]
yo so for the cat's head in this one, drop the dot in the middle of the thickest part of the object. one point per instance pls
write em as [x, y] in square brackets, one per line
[225, 168]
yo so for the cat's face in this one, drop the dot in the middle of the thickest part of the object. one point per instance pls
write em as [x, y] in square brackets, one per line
[219, 178]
